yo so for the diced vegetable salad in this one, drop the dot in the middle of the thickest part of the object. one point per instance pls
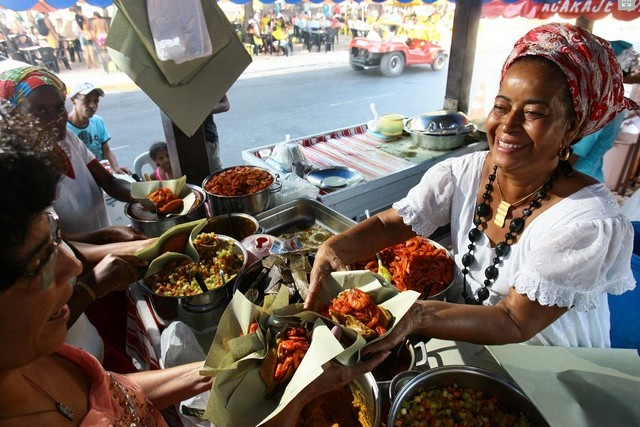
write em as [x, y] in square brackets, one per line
[178, 277]
[453, 406]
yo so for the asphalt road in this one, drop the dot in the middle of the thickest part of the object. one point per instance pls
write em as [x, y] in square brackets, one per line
[264, 109]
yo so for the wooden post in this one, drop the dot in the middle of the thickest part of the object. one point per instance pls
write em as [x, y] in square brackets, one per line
[188, 154]
[463, 50]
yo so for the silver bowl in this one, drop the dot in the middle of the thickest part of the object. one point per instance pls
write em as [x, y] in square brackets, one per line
[490, 383]
[167, 306]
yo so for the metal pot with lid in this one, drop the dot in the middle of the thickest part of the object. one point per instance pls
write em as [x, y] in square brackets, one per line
[439, 130]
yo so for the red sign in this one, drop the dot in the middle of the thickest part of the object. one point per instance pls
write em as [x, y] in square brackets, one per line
[567, 9]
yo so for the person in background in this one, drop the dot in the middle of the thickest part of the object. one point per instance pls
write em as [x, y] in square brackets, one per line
[523, 223]
[89, 127]
[588, 154]
[71, 32]
[39, 94]
[88, 37]
[44, 382]
[212, 142]
[100, 29]
[159, 153]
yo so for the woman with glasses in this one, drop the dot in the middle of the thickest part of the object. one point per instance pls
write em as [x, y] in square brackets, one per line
[44, 382]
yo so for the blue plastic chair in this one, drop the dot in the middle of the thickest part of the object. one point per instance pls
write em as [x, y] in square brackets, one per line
[625, 308]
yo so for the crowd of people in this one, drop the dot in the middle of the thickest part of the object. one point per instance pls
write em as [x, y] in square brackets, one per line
[72, 36]
[277, 31]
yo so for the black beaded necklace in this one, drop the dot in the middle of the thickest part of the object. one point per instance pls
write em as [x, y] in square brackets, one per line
[481, 214]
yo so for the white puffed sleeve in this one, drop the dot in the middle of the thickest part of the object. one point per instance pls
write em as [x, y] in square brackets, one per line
[573, 265]
[430, 204]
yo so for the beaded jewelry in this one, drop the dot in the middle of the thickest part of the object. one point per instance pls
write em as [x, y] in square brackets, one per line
[516, 225]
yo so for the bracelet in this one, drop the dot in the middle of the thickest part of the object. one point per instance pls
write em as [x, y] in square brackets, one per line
[87, 288]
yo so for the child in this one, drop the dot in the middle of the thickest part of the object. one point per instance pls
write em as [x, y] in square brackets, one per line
[160, 154]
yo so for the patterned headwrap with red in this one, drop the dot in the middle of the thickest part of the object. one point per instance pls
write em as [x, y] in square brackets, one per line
[18, 83]
[590, 66]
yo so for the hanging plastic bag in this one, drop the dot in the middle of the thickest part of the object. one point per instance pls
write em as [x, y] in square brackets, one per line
[179, 33]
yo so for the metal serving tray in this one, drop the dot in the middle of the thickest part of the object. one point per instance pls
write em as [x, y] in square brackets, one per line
[301, 214]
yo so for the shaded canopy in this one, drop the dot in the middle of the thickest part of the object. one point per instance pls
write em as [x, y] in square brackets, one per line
[533, 9]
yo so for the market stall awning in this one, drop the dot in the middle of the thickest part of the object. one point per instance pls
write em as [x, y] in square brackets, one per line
[567, 9]
[533, 9]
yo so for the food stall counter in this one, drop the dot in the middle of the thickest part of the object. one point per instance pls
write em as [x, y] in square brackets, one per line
[389, 166]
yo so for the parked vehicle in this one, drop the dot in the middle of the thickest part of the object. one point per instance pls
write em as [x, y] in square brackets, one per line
[392, 56]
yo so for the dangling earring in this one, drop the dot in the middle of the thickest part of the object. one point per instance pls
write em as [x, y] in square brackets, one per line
[564, 153]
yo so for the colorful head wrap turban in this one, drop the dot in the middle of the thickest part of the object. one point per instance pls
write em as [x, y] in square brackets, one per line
[590, 66]
[18, 83]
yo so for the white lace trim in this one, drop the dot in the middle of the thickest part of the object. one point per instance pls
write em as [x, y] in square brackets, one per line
[566, 295]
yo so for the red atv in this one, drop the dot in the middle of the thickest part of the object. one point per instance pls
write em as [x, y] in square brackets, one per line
[392, 56]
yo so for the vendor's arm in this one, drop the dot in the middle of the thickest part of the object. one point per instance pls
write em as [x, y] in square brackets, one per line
[105, 235]
[356, 244]
[166, 387]
[334, 376]
[514, 319]
[111, 273]
[119, 189]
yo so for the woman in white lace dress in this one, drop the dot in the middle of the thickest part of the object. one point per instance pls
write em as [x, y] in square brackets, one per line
[539, 245]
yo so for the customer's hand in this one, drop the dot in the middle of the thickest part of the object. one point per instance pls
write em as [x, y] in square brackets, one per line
[114, 272]
[119, 234]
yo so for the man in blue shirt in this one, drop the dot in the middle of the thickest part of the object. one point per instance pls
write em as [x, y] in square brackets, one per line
[89, 127]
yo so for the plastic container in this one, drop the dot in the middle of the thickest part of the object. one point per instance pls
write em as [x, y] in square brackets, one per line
[258, 246]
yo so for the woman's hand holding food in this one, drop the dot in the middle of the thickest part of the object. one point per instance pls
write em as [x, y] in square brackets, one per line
[326, 261]
[406, 325]
[114, 272]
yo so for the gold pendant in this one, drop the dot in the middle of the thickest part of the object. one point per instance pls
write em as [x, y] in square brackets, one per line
[501, 213]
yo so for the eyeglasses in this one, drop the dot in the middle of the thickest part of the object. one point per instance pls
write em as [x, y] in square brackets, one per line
[47, 265]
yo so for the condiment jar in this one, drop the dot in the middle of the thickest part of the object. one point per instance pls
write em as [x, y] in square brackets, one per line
[391, 124]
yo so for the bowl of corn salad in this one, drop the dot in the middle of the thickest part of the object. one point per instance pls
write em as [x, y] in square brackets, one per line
[222, 258]
[462, 396]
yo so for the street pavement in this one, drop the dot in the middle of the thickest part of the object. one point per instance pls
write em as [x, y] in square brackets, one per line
[262, 65]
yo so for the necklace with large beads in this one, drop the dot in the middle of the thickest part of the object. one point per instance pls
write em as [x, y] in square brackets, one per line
[481, 215]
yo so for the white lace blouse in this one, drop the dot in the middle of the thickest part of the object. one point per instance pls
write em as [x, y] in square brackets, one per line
[571, 255]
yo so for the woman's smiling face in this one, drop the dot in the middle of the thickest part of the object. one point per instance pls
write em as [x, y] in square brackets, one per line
[532, 118]
[33, 311]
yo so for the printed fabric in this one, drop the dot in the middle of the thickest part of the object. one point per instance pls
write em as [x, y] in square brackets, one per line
[590, 66]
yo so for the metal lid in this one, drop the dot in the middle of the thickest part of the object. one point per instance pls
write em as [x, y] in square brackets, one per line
[443, 122]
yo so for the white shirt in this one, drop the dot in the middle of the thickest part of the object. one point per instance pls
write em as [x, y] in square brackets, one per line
[571, 255]
[80, 201]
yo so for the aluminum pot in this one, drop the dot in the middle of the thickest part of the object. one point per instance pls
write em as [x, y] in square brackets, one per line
[490, 383]
[236, 225]
[153, 227]
[439, 130]
[167, 307]
[250, 203]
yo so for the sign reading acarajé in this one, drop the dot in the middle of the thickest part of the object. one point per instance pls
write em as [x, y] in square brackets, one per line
[625, 10]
